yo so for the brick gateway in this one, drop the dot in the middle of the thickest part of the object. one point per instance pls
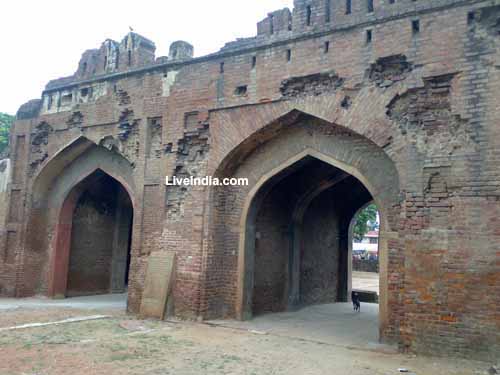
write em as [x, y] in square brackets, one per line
[331, 106]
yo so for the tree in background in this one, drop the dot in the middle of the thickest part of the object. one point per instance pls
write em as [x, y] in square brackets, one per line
[365, 221]
[5, 124]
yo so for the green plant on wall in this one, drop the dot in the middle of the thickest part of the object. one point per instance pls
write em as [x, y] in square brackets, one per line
[5, 124]
[365, 221]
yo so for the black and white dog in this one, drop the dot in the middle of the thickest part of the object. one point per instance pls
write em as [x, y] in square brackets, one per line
[356, 304]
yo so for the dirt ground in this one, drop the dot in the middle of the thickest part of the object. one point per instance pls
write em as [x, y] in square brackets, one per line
[121, 344]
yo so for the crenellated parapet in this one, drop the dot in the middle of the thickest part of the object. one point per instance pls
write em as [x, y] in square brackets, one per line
[325, 16]
[180, 50]
[277, 22]
[308, 17]
[132, 52]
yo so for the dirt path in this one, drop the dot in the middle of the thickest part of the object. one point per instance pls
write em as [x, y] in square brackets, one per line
[120, 345]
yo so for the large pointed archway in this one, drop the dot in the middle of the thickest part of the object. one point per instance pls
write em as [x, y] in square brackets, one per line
[307, 178]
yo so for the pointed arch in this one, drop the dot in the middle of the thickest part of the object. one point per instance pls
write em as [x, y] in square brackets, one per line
[263, 156]
[52, 166]
[60, 256]
[251, 204]
[55, 191]
[350, 239]
[82, 157]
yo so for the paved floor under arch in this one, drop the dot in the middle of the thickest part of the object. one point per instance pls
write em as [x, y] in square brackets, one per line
[334, 324]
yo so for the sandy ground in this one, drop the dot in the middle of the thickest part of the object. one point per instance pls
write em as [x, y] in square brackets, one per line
[123, 345]
[365, 281]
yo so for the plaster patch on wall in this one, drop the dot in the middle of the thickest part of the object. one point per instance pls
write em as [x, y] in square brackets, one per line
[388, 70]
[191, 156]
[311, 85]
[75, 120]
[65, 100]
[154, 138]
[39, 142]
[425, 118]
[4, 174]
[168, 81]
[129, 135]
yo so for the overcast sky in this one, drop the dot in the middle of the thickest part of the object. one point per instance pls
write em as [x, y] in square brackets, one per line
[43, 40]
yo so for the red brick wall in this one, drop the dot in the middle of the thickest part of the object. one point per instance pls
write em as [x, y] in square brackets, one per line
[320, 253]
[91, 247]
[272, 246]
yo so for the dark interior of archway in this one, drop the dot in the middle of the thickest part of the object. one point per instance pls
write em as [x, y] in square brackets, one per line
[301, 220]
[100, 238]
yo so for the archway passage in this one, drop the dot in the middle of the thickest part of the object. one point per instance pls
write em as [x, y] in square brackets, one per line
[284, 237]
[99, 247]
[364, 239]
[298, 230]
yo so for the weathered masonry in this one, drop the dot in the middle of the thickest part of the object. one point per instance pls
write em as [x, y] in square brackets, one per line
[331, 106]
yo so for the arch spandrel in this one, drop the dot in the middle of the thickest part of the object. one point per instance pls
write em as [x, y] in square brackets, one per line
[75, 162]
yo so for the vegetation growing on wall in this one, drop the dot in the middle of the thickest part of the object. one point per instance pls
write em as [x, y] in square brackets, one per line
[5, 124]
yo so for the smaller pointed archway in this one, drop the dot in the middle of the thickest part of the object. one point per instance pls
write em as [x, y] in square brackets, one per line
[363, 254]
[93, 239]
[297, 231]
